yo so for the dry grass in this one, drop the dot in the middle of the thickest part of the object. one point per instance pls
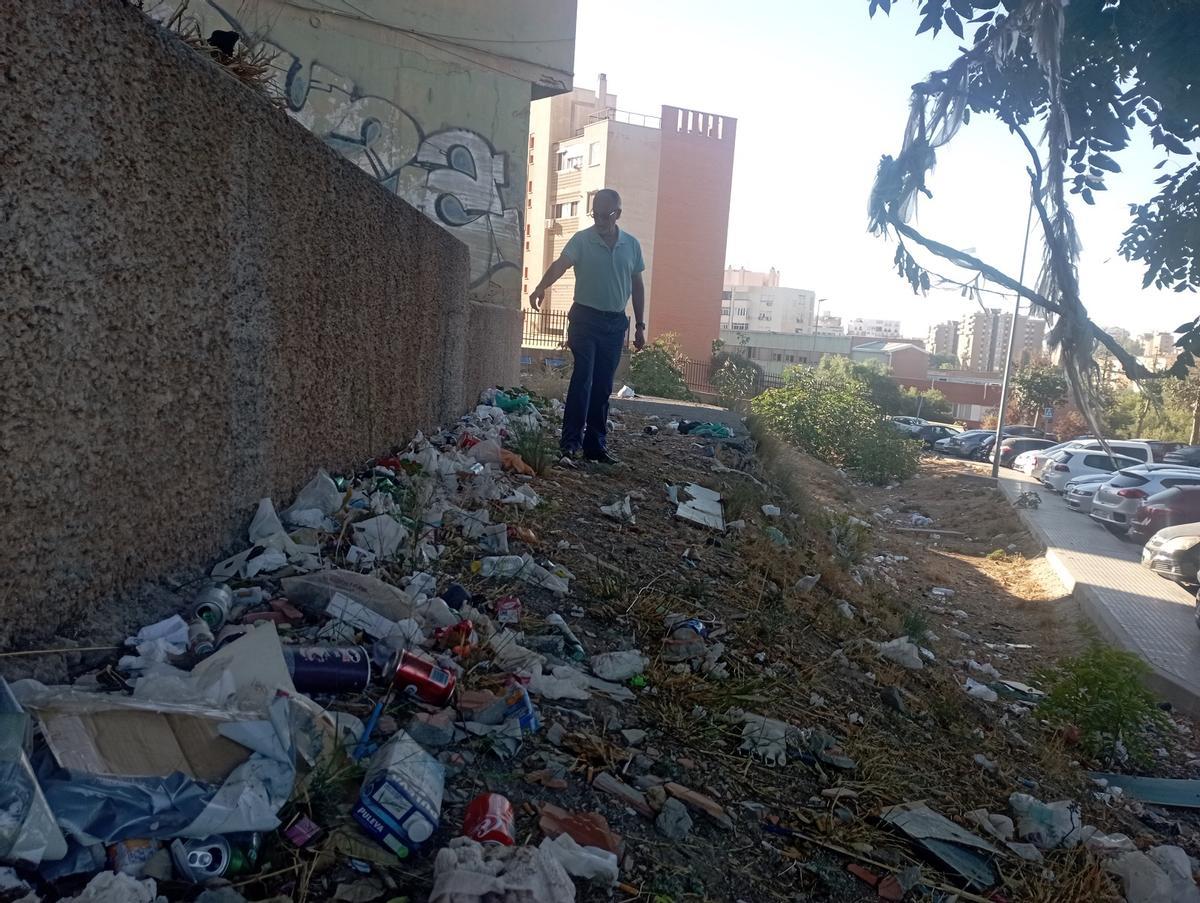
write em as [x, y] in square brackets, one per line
[252, 65]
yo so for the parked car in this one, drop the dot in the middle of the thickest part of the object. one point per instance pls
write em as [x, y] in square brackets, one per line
[1187, 455]
[911, 423]
[1174, 553]
[1029, 432]
[965, 445]
[1011, 446]
[1074, 462]
[1079, 491]
[1116, 501]
[1168, 508]
[932, 433]
[1031, 461]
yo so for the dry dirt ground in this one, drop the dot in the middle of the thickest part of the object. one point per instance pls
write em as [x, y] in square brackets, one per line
[788, 832]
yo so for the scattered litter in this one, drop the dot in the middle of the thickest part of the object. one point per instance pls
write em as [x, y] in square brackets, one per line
[1181, 794]
[805, 584]
[618, 666]
[1046, 825]
[619, 511]
[703, 507]
[1162, 875]
[976, 690]
[964, 853]
[771, 510]
[903, 652]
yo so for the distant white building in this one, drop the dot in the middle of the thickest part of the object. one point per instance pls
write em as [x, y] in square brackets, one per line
[878, 329]
[767, 308]
[828, 324]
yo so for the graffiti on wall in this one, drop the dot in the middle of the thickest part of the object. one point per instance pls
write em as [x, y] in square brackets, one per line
[454, 176]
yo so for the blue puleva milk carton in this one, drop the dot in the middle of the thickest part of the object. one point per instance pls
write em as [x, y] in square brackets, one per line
[401, 796]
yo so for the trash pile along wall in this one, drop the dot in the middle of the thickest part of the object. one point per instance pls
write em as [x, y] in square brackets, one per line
[203, 302]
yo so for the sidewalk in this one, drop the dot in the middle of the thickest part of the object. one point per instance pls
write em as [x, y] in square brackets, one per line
[1133, 607]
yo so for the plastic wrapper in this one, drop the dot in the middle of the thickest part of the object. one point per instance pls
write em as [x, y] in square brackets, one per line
[28, 831]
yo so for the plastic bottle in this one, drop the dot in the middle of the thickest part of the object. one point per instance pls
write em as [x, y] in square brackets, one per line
[501, 565]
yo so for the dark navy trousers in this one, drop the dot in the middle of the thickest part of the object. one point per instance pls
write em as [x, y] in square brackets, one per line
[596, 338]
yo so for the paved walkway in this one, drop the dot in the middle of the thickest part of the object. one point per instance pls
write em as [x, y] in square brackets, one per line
[1133, 607]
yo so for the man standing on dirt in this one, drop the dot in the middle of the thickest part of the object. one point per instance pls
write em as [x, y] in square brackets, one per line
[608, 270]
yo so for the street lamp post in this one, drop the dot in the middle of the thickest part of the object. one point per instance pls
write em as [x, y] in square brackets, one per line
[816, 320]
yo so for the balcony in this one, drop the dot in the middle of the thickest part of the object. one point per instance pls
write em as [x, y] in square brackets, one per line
[568, 179]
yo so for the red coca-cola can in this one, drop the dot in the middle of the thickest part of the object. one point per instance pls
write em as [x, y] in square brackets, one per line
[420, 677]
[490, 819]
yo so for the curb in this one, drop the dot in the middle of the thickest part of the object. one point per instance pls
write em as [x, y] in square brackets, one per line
[1164, 683]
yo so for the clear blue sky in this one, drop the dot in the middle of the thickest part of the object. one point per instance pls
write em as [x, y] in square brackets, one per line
[820, 91]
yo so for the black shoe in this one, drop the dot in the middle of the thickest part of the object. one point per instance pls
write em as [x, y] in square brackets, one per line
[602, 457]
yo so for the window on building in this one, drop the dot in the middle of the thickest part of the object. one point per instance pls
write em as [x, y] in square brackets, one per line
[530, 185]
[526, 245]
[531, 159]
[591, 196]
[568, 209]
[778, 356]
[741, 311]
[724, 311]
[529, 204]
[725, 296]
[528, 229]
[531, 142]
[560, 161]
[594, 154]
[526, 272]
[739, 326]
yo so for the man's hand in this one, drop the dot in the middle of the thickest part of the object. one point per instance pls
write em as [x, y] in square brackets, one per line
[536, 297]
[639, 338]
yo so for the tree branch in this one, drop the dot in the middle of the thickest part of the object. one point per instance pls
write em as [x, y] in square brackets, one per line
[1129, 363]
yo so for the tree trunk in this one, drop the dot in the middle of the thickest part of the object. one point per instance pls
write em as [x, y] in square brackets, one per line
[1195, 438]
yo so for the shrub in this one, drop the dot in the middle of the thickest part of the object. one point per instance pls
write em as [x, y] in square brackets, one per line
[1102, 692]
[831, 415]
[658, 369]
[736, 379]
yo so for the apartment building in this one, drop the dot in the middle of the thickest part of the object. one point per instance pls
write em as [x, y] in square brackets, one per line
[877, 329]
[827, 324]
[943, 339]
[673, 171]
[767, 308]
[983, 339]
[740, 276]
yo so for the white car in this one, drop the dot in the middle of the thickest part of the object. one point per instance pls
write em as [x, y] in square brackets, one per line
[1075, 462]
[1029, 462]
[1116, 500]
[1143, 450]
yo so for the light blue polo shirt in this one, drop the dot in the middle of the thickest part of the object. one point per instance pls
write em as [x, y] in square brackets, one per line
[603, 275]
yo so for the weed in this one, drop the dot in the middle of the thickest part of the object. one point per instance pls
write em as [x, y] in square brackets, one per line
[535, 447]
[1102, 693]
[916, 626]
[849, 537]
[997, 555]
[741, 499]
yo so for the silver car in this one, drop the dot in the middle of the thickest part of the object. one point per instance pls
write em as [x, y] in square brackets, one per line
[1078, 493]
[1116, 501]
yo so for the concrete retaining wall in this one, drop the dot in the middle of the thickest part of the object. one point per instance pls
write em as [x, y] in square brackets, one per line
[202, 303]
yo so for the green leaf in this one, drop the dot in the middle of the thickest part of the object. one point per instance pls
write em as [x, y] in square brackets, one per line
[954, 22]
